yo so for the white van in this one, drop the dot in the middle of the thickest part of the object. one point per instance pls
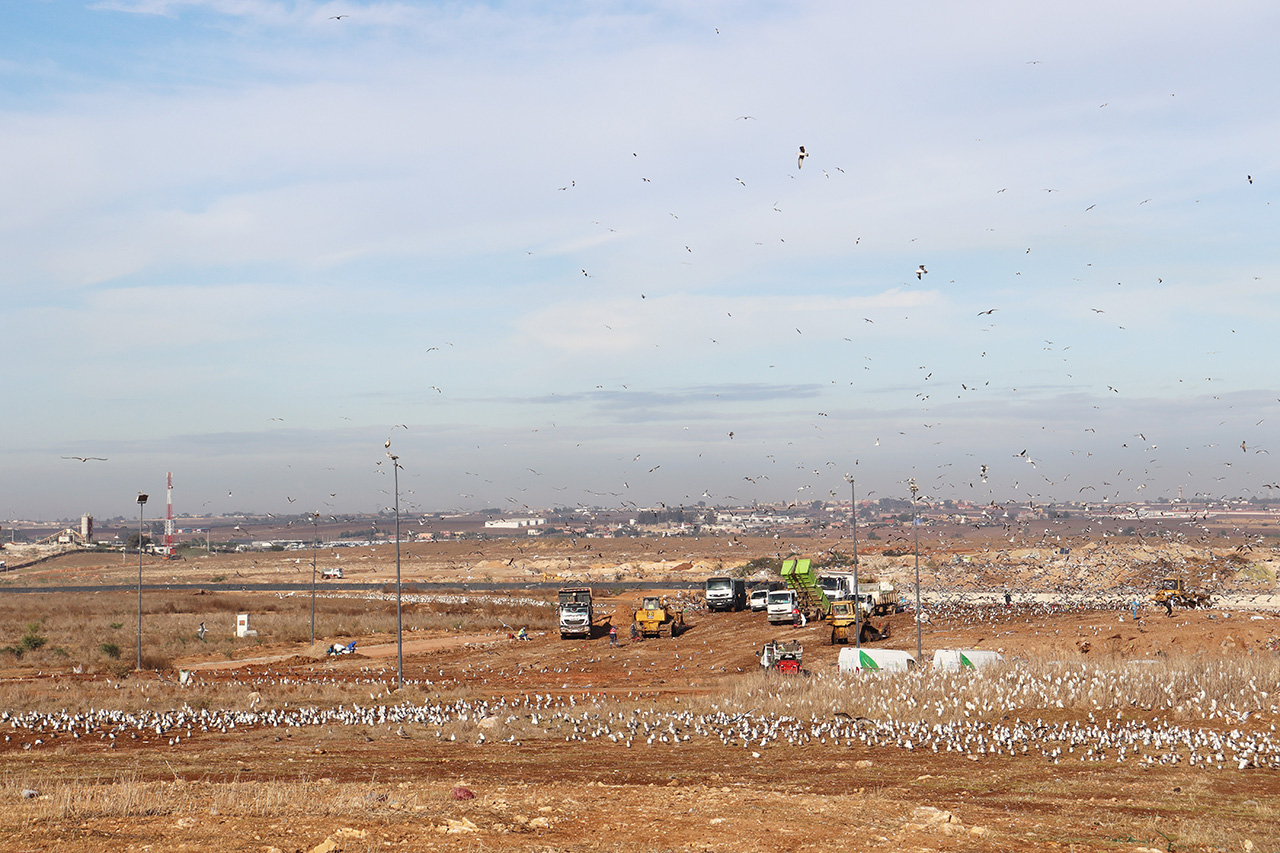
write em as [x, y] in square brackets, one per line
[953, 659]
[781, 606]
[893, 660]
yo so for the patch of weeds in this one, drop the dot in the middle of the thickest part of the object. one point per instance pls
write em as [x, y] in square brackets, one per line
[30, 641]
[111, 650]
[117, 625]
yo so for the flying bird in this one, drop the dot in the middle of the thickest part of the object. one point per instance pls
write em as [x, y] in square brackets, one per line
[921, 272]
[87, 458]
[800, 157]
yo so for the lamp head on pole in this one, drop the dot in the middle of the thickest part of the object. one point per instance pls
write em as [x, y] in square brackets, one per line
[142, 499]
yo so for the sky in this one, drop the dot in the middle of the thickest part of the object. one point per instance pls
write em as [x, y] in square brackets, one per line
[567, 253]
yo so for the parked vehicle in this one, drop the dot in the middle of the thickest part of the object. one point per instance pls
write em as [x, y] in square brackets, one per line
[891, 660]
[332, 573]
[879, 598]
[759, 599]
[782, 657]
[954, 659]
[837, 585]
[781, 606]
[576, 614]
[725, 593]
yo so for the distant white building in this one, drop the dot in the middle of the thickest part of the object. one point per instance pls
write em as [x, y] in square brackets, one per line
[514, 523]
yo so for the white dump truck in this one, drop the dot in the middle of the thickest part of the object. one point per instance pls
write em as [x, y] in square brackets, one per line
[726, 593]
[879, 598]
[576, 614]
[837, 585]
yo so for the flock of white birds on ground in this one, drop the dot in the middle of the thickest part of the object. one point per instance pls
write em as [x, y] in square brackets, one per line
[1126, 713]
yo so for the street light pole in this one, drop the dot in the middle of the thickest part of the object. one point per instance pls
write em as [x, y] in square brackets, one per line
[915, 526]
[395, 470]
[142, 502]
[857, 590]
[315, 518]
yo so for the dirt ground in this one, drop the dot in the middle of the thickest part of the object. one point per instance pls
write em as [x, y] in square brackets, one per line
[542, 782]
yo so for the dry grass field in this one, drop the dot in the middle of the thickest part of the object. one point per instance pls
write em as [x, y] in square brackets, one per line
[1098, 733]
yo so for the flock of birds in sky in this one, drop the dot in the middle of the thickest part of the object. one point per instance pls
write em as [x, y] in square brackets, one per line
[978, 482]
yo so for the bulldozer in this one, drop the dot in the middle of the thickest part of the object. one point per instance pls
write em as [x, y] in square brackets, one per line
[1174, 592]
[844, 621]
[655, 612]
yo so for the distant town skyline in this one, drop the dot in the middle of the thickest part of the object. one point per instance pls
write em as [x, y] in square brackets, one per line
[571, 255]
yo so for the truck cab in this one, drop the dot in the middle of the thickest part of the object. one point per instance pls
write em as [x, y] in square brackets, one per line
[576, 613]
[838, 587]
[726, 593]
[781, 605]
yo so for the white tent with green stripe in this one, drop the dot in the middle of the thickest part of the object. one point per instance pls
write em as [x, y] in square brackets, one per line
[952, 659]
[888, 660]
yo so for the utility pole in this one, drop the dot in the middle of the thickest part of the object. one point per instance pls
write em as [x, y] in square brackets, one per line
[857, 591]
[315, 518]
[395, 476]
[915, 526]
[142, 502]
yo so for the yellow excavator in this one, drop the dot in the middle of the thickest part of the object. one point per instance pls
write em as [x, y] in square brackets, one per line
[655, 612]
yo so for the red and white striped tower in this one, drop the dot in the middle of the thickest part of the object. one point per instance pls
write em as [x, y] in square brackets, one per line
[168, 519]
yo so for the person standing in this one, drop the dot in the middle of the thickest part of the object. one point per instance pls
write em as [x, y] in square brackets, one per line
[613, 635]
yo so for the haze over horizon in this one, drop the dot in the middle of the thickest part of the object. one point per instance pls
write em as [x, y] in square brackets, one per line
[565, 253]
